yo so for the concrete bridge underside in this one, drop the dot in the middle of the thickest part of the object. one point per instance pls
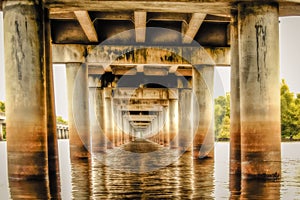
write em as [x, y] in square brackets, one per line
[115, 79]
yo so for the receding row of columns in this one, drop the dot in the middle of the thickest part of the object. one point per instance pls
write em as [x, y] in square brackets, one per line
[189, 123]
[30, 115]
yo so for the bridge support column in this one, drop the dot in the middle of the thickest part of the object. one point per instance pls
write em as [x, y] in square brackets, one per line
[109, 132]
[54, 175]
[25, 91]
[259, 90]
[173, 116]
[78, 110]
[166, 123]
[96, 98]
[185, 117]
[203, 117]
[235, 124]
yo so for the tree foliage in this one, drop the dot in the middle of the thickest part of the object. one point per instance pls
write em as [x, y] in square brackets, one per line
[222, 117]
[60, 120]
[290, 112]
[2, 106]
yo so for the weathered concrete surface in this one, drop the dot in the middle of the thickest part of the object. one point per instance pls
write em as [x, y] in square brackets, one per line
[25, 91]
[53, 163]
[259, 90]
[173, 115]
[108, 117]
[78, 110]
[203, 117]
[235, 122]
[166, 126]
[185, 119]
[223, 7]
[96, 107]
[127, 55]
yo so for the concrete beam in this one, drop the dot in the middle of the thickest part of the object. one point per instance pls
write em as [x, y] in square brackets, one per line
[86, 25]
[141, 93]
[222, 7]
[71, 53]
[189, 31]
[144, 118]
[180, 6]
[140, 19]
[141, 107]
[136, 55]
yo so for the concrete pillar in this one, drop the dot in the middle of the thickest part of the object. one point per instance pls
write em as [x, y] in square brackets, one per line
[119, 118]
[166, 123]
[185, 119]
[54, 175]
[203, 111]
[97, 123]
[259, 90]
[173, 115]
[78, 110]
[26, 112]
[108, 117]
[59, 133]
[235, 124]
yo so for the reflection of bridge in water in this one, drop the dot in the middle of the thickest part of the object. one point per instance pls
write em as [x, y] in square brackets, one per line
[151, 77]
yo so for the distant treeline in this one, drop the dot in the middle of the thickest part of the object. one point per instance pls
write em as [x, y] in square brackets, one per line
[290, 115]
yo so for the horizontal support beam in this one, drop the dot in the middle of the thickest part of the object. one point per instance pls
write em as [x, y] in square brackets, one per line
[107, 55]
[141, 118]
[180, 6]
[141, 107]
[222, 7]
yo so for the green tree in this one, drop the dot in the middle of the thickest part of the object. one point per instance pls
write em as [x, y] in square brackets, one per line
[2, 106]
[290, 112]
[60, 120]
[222, 116]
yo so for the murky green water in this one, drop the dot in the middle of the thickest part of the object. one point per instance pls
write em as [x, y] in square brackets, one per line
[184, 178]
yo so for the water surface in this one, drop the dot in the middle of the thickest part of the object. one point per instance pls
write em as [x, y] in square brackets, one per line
[105, 178]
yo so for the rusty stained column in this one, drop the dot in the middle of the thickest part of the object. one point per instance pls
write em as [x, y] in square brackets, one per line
[185, 119]
[235, 125]
[173, 117]
[120, 130]
[166, 123]
[96, 106]
[115, 124]
[259, 90]
[203, 111]
[78, 110]
[108, 117]
[53, 162]
[26, 110]
[235, 121]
